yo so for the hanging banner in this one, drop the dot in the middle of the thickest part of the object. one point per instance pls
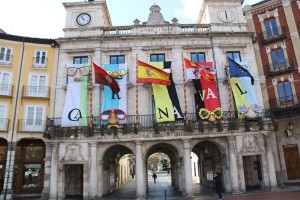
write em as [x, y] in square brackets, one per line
[173, 94]
[115, 101]
[164, 110]
[74, 113]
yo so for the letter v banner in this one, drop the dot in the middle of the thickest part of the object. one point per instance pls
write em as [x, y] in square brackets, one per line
[74, 113]
[164, 110]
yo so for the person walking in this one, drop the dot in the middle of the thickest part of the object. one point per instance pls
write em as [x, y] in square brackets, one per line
[219, 185]
[154, 177]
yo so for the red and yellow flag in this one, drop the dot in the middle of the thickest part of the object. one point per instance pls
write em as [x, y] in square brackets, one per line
[150, 74]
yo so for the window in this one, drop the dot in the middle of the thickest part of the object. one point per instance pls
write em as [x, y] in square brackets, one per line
[285, 92]
[5, 87]
[278, 58]
[271, 27]
[120, 59]
[5, 56]
[234, 55]
[37, 87]
[157, 57]
[40, 59]
[2, 117]
[198, 57]
[80, 60]
[34, 119]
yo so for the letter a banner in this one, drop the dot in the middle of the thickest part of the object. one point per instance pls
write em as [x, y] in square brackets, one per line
[74, 113]
[164, 110]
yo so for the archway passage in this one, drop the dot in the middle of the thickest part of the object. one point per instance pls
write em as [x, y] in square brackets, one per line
[162, 159]
[206, 160]
[118, 172]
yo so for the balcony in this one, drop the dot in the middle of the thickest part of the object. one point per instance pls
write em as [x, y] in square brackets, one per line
[147, 127]
[6, 90]
[5, 59]
[285, 107]
[31, 125]
[40, 92]
[278, 68]
[40, 63]
[4, 123]
[273, 35]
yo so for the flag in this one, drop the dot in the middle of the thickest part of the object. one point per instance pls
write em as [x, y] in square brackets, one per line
[193, 68]
[102, 77]
[241, 83]
[116, 100]
[209, 93]
[150, 74]
[236, 70]
[74, 113]
[164, 109]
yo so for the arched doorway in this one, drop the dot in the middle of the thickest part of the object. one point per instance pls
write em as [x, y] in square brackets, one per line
[29, 166]
[206, 161]
[163, 160]
[118, 168]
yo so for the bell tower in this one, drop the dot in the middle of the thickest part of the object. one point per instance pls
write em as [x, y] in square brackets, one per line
[222, 14]
[85, 18]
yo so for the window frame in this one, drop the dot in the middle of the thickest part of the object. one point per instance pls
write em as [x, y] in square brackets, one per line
[5, 57]
[233, 54]
[117, 59]
[40, 59]
[198, 56]
[157, 57]
[81, 59]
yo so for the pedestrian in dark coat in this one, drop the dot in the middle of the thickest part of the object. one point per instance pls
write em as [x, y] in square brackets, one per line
[154, 177]
[219, 185]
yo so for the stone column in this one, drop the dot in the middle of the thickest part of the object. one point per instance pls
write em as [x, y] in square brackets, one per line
[101, 179]
[47, 173]
[270, 161]
[93, 171]
[139, 171]
[54, 172]
[187, 168]
[233, 165]
[7, 192]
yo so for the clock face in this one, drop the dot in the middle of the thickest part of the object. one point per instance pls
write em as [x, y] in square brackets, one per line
[83, 19]
[225, 15]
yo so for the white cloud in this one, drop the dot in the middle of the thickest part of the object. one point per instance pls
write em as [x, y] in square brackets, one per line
[190, 10]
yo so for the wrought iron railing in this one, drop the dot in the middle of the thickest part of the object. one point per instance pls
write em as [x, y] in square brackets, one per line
[4, 123]
[5, 59]
[40, 62]
[94, 125]
[284, 102]
[274, 34]
[35, 92]
[280, 67]
[6, 90]
[32, 125]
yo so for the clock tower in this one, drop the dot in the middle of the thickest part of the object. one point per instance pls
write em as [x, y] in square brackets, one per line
[221, 14]
[85, 18]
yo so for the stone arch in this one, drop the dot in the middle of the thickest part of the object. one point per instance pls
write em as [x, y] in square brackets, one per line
[113, 162]
[210, 159]
[172, 150]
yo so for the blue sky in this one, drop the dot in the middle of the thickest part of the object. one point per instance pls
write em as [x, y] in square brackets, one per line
[46, 18]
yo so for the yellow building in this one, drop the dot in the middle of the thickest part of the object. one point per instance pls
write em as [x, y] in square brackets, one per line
[27, 68]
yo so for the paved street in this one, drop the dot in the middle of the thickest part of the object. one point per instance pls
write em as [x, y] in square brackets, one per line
[162, 190]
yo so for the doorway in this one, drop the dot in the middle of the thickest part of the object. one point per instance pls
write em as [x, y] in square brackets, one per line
[252, 172]
[292, 161]
[74, 180]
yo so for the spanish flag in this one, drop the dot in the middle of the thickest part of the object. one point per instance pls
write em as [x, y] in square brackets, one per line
[150, 74]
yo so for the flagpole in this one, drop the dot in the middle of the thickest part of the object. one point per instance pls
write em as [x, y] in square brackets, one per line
[184, 90]
[229, 87]
[137, 95]
[91, 94]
